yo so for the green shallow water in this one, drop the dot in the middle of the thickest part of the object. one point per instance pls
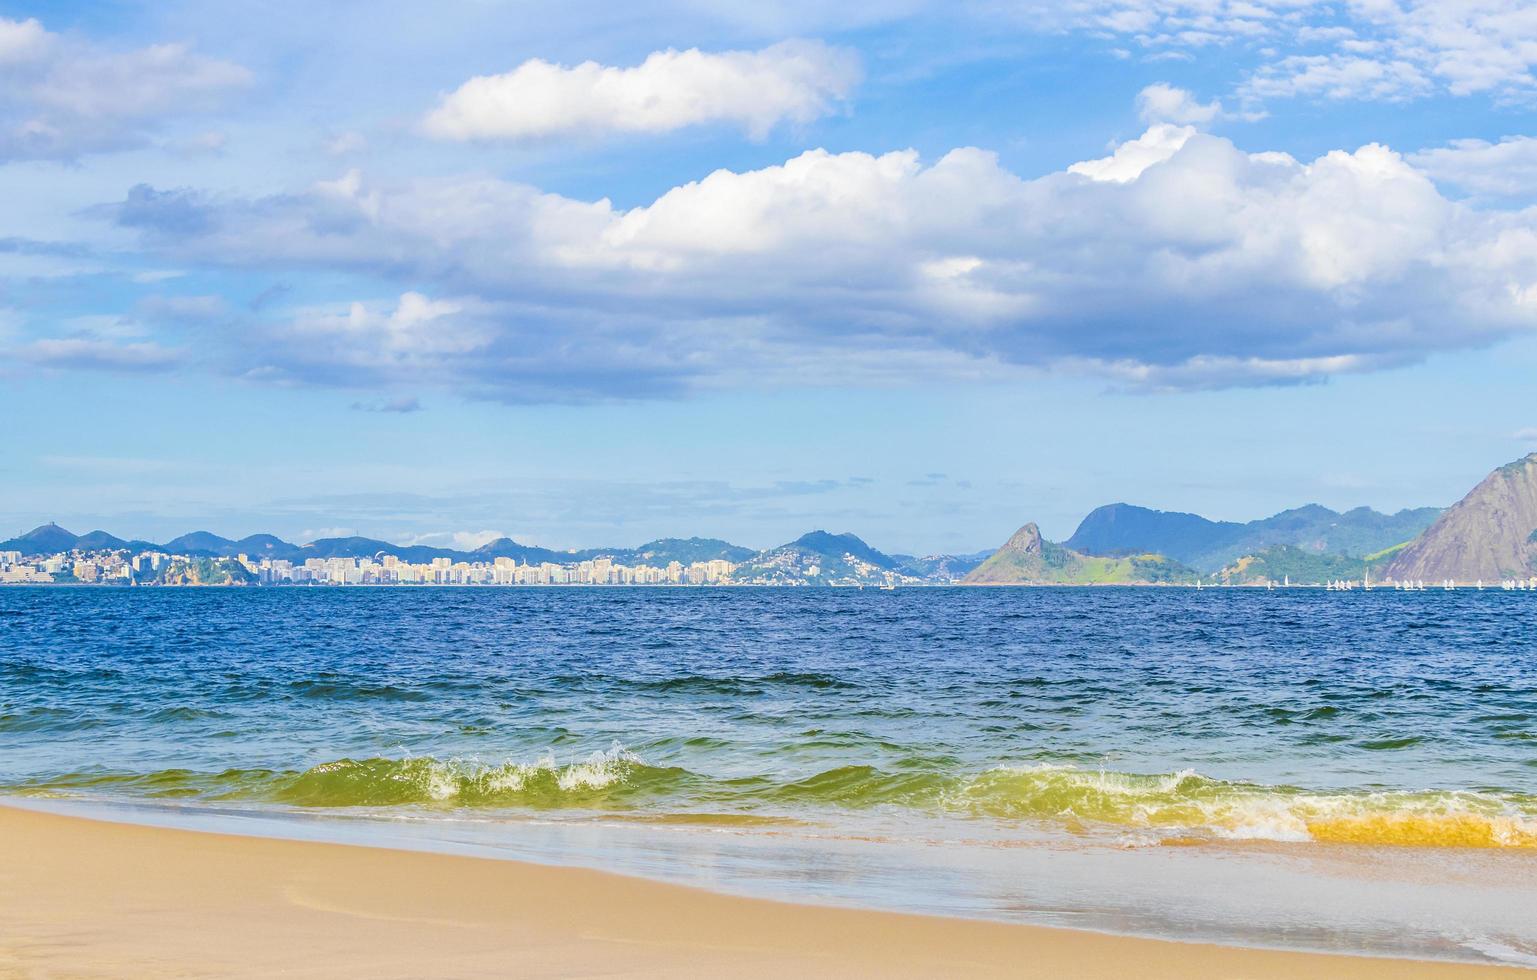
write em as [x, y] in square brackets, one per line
[1182, 807]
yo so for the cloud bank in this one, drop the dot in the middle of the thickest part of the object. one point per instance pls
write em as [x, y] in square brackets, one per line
[1178, 261]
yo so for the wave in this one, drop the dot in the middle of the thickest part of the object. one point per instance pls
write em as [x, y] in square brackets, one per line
[1178, 808]
[1186, 803]
[603, 778]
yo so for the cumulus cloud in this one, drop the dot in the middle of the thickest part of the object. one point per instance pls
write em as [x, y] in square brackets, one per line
[1178, 261]
[1130, 159]
[60, 98]
[793, 81]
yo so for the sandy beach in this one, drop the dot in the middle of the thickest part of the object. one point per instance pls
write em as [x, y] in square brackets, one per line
[86, 898]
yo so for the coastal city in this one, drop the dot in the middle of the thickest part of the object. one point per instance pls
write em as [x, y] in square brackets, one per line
[159, 568]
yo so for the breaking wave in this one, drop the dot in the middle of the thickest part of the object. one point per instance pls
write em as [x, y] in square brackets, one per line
[1179, 807]
[1187, 803]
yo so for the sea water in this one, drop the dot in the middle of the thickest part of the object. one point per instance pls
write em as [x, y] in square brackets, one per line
[1297, 768]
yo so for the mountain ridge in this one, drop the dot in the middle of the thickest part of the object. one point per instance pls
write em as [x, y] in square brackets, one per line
[50, 538]
[1121, 529]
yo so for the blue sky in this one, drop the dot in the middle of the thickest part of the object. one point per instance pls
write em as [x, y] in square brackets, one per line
[586, 275]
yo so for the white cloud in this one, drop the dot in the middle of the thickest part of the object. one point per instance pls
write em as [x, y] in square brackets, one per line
[470, 540]
[1527, 435]
[21, 41]
[1178, 261]
[1360, 49]
[1337, 76]
[1162, 103]
[90, 353]
[60, 98]
[372, 337]
[1504, 169]
[1130, 159]
[793, 81]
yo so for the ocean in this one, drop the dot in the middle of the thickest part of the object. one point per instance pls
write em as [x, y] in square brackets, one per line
[1345, 771]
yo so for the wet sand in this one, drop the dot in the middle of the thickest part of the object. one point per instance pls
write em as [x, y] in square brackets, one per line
[84, 898]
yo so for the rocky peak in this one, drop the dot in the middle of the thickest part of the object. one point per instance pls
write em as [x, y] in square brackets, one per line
[1026, 541]
[1485, 536]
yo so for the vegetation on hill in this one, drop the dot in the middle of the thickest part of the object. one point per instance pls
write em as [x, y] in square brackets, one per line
[1284, 562]
[1028, 559]
[206, 571]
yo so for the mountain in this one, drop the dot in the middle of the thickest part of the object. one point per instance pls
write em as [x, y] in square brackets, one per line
[840, 546]
[507, 548]
[200, 543]
[1125, 529]
[1491, 534]
[1029, 559]
[1118, 529]
[51, 539]
[821, 558]
[46, 539]
[258, 546]
[102, 541]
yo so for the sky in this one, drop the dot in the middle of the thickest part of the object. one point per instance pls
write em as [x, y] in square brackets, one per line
[590, 274]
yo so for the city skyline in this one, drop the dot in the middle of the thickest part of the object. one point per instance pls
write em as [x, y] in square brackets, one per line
[587, 277]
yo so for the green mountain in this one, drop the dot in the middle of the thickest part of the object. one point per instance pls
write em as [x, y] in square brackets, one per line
[1029, 559]
[1487, 535]
[200, 543]
[46, 539]
[50, 539]
[684, 551]
[1124, 529]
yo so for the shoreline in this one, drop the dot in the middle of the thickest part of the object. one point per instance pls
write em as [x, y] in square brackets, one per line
[87, 897]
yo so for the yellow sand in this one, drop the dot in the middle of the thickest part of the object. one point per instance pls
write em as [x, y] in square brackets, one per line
[83, 898]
